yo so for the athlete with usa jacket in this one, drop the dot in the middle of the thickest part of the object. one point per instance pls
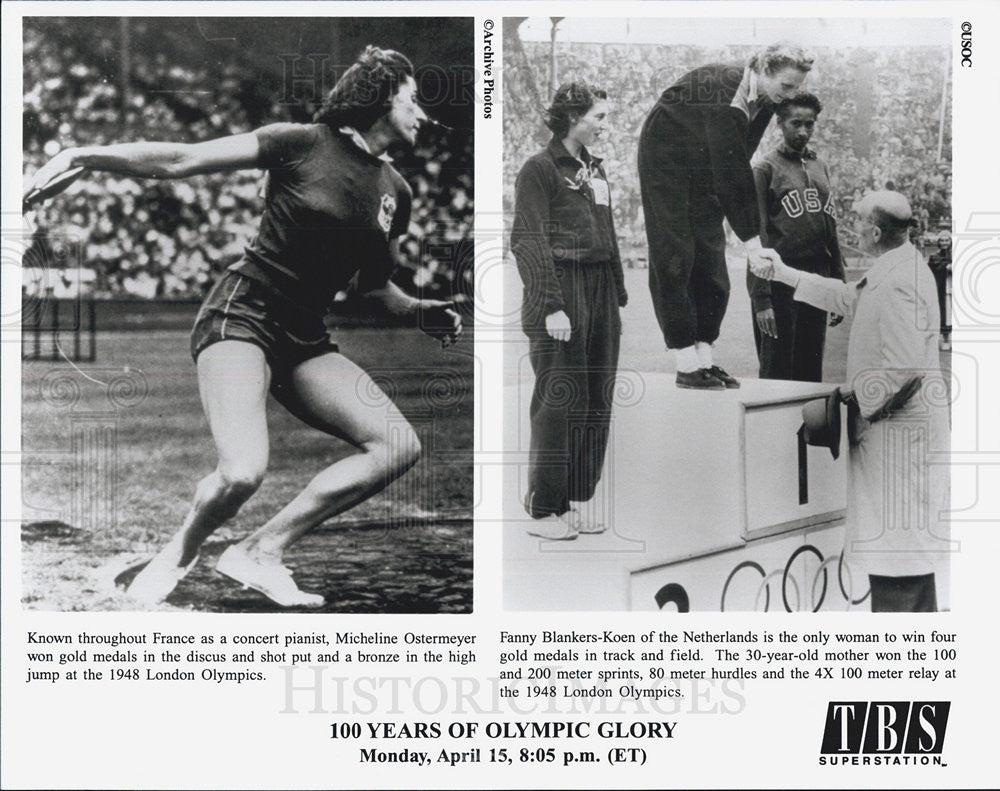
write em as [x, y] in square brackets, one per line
[798, 220]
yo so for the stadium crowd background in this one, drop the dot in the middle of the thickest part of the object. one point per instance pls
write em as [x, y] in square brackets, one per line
[878, 128]
[93, 81]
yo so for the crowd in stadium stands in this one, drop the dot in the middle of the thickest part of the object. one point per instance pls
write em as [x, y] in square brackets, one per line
[171, 238]
[878, 128]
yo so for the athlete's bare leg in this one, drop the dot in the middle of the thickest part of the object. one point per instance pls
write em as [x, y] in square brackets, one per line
[333, 394]
[233, 379]
[336, 396]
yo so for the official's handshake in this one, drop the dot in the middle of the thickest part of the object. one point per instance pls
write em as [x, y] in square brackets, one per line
[762, 262]
[761, 259]
[767, 265]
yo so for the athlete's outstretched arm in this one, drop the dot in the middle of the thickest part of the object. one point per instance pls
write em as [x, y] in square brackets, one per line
[154, 160]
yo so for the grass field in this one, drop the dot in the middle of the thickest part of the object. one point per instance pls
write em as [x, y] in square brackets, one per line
[109, 467]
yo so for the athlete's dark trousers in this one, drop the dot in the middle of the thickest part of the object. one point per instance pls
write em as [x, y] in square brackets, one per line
[797, 352]
[574, 389]
[687, 247]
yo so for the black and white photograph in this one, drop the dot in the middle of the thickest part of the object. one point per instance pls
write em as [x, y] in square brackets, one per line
[729, 388]
[246, 328]
[536, 394]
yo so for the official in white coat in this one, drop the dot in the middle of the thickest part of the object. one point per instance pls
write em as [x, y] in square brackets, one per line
[898, 485]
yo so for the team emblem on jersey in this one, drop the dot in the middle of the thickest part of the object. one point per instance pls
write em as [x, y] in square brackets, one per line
[386, 212]
[796, 205]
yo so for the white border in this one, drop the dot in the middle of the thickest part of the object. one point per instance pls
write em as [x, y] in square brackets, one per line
[179, 737]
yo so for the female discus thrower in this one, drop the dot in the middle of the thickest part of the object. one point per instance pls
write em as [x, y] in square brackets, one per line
[333, 209]
[563, 239]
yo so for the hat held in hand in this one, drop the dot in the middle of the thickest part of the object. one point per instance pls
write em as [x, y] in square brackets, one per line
[821, 422]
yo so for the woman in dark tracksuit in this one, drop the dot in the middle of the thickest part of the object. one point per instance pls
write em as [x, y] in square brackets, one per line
[564, 242]
[799, 220]
[694, 170]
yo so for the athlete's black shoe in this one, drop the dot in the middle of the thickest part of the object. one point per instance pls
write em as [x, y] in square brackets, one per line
[699, 380]
[723, 377]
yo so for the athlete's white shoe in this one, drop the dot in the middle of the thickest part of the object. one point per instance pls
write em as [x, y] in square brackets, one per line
[272, 579]
[587, 522]
[564, 527]
[160, 576]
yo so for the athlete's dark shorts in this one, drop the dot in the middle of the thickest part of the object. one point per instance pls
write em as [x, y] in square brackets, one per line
[241, 309]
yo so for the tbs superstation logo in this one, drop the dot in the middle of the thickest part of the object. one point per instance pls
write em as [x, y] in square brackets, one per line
[890, 733]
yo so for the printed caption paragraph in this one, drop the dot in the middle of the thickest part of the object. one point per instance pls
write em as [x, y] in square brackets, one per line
[609, 664]
[226, 657]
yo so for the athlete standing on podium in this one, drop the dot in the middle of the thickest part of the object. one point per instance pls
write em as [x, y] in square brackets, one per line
[563, 239]
[694, 170]
[798, 218]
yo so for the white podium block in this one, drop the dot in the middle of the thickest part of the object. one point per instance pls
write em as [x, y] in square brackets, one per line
[695, 483]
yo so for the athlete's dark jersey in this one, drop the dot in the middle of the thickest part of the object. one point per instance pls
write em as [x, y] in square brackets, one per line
[696, 126]
[331, 210]
[801, 220]
[798, 217]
